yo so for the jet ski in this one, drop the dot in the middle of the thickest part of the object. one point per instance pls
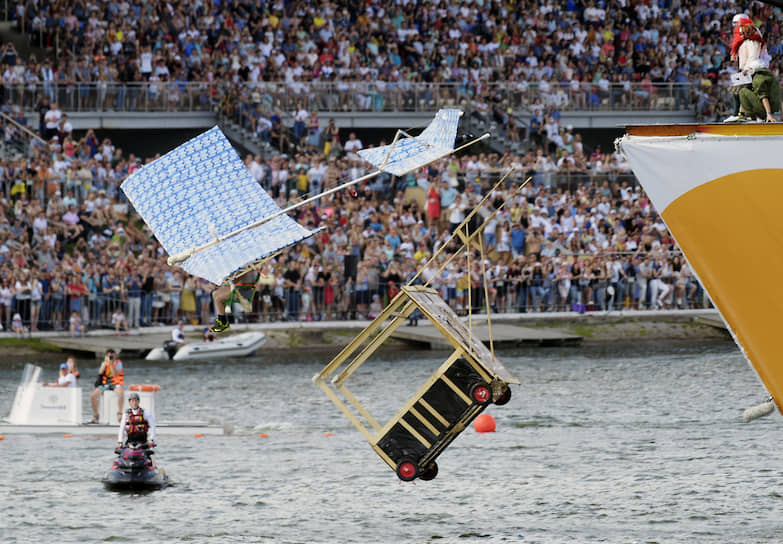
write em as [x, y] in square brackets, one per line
[134, 470]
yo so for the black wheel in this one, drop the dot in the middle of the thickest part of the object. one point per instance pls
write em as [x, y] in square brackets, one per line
[504, 398]
[481, 393]
[430, 473]
[407, 470]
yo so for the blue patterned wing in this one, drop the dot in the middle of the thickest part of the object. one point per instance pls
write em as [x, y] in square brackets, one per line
[435, 142]
[201, 190]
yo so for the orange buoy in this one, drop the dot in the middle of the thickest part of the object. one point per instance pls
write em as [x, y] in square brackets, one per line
[328, 434]
[2, 438]
[66, 436]
[484, 423]
[198, 435]
[263, 435]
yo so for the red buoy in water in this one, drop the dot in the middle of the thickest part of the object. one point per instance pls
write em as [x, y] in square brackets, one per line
[484, 423]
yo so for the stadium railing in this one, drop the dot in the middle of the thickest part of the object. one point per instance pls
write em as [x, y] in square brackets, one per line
[184, 96]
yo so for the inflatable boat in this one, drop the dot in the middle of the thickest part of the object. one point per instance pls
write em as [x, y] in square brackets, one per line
[237, 345]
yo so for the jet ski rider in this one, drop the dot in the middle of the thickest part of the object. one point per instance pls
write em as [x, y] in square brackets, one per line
[136, 426]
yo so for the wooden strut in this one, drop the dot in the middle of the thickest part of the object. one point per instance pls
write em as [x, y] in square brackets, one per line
[467, 239]
[186, 254]
[457, 231]
[21, 127]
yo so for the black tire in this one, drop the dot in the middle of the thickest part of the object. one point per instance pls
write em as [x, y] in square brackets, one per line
[504, 398]
[481, 394]
[430, 473]
[407, 470]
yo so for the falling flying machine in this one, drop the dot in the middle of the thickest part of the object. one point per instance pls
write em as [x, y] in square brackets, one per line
[216, 222]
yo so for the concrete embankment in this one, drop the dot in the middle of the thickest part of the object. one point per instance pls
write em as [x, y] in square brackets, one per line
[534, 329]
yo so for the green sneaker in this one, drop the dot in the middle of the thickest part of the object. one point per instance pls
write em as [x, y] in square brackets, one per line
[219, 325]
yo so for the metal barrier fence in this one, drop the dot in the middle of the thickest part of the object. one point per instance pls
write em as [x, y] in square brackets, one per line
[349, 96]
[341, 301]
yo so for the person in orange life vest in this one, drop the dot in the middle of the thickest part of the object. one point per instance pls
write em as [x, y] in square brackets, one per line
[136, 425]
[111, 377]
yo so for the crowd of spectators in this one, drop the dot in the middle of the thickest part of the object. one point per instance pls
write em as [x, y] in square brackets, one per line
[381, 53]
[581, 236]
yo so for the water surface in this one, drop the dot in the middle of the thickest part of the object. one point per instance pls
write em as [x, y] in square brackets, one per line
[619, 443]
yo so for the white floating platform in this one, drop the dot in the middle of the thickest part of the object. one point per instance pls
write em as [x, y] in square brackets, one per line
[39, 409]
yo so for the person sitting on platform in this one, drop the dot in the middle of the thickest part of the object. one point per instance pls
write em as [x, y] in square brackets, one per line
[242, 292]
[111, 377]
[178, 334]
[136, 425]
[72, 368]
[17, 326]
[177, 339]
[118, 318]
[76, 325]
[66, 379]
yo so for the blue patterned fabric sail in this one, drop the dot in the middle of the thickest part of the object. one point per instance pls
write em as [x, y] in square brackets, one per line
[202, 190]
[435, 142]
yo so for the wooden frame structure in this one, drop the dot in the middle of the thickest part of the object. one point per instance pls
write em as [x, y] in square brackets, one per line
[459, 390]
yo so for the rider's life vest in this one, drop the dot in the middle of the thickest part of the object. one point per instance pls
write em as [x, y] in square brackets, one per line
[136, 426]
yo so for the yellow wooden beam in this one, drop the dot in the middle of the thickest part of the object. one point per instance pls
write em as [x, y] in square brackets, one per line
[415, 433]
[354, 344]
[342, 406]
[426, 422]
[434, 412]
[415, 398]
[383, 455]
[374, 344]
[359, 407]
[456, 389]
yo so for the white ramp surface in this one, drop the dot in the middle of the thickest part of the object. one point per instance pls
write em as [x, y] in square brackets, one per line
[200, 191]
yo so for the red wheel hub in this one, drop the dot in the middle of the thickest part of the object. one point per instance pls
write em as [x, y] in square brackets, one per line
[407, 470]
[481, 394]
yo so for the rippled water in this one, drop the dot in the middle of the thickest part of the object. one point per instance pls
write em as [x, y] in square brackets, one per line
[621, 443]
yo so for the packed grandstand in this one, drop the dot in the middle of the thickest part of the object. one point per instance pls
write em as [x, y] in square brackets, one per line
[581, 235]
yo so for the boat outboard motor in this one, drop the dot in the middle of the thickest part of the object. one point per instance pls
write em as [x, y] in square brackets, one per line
[170, 347]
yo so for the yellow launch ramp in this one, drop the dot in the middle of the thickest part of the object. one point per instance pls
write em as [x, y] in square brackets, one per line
[459, 390]
[719, 190]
